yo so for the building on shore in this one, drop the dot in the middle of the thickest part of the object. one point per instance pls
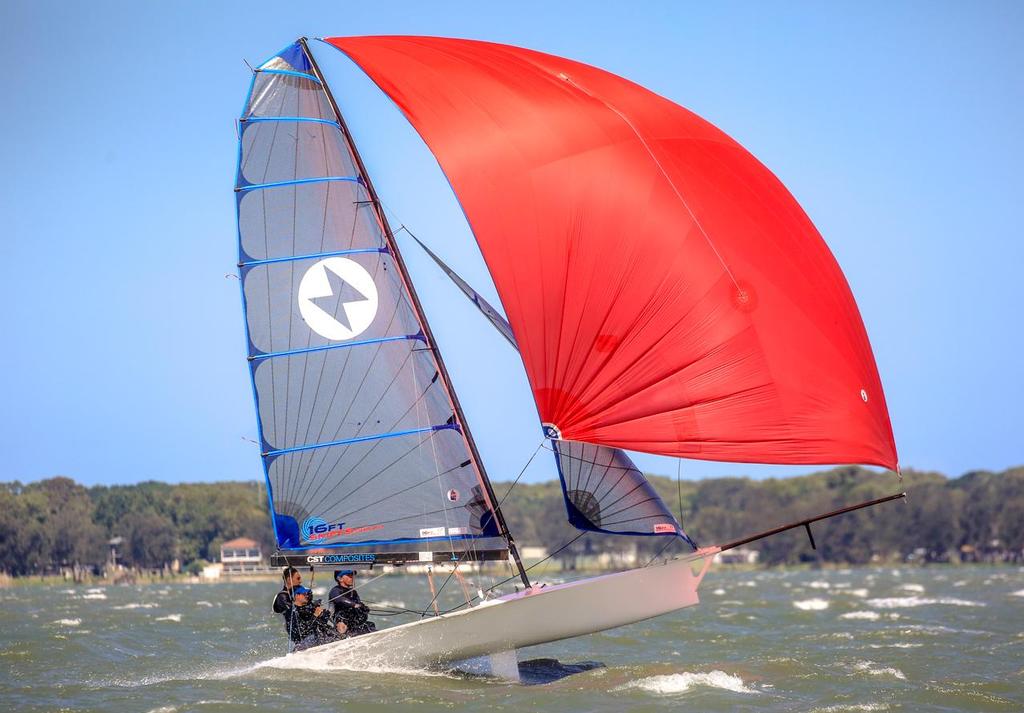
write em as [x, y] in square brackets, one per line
[241, 556]
[742, 555]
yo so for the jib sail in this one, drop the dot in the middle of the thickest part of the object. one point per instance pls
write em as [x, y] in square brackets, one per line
[602, 488]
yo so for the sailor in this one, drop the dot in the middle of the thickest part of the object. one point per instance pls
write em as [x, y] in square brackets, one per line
[347, 607]
[309, 623]
[305, 621]
[283, 600]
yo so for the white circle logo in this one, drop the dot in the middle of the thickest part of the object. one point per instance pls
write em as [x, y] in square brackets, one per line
[337, 298]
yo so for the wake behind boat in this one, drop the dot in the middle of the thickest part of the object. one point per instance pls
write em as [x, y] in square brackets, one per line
[664, 290]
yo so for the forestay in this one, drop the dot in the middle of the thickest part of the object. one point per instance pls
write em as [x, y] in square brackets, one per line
[361, 440]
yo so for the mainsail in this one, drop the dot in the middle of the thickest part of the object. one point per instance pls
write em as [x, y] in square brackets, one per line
[363, 444]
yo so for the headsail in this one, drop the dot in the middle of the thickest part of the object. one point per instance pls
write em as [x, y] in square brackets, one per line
[605, 492]
[602, 488]
[361, 437]
[667, 292]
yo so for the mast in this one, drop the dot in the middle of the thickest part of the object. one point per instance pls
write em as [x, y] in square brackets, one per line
[393, 246]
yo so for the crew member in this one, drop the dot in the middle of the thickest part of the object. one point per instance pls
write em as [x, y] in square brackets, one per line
[306, 622]
[347, 607]
[309, 623]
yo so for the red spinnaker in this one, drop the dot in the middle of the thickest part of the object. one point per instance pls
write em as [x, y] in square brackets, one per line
[667, 292]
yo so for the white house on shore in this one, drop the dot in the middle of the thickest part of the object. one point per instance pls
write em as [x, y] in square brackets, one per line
[241, 555]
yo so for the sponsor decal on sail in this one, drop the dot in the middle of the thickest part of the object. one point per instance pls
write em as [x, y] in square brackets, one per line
[316, 528]
[337, 298]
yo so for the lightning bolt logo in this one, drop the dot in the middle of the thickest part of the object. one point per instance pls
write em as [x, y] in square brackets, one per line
[337, 298]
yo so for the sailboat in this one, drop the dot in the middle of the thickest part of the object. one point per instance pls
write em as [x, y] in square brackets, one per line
[664, 290]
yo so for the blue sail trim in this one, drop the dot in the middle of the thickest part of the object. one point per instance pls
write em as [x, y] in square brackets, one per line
[343, 345]
[295, 182]
[274, 517]
[311, 256]
[292, 54]
[309, 119]
[363, 439]
[290, 73]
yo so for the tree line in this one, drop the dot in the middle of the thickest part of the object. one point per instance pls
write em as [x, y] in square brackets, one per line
[56, 522]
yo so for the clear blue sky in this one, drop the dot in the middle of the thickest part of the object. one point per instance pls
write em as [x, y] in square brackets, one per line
[896, 125]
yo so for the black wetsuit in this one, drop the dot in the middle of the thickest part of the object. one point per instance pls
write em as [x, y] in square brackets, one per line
[303, 627]
[349, 608]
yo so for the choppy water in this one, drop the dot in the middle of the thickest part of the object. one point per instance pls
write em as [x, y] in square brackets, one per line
[847, 640]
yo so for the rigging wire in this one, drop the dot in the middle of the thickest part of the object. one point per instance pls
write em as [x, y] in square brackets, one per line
[500, 502]
[514, 482]
[509, 579]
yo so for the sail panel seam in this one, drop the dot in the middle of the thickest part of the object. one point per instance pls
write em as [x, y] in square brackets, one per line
[310, 119]
[363, 439]
[290, 73]
[295, 182]
[312, 256]
[326, 347]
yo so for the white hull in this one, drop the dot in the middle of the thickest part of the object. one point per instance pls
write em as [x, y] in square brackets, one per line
[534, 616]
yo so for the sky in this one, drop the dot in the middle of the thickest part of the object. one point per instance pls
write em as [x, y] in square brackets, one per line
[897, 126]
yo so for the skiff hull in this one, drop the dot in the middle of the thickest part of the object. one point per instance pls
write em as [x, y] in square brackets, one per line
[535, 616]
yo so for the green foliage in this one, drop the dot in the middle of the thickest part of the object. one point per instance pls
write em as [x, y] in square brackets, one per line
[938, 517]
[56, 522]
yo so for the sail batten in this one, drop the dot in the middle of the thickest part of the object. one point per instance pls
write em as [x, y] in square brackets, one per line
[295, 182]
[361, 439]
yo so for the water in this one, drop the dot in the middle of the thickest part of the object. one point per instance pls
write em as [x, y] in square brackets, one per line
[847, 640]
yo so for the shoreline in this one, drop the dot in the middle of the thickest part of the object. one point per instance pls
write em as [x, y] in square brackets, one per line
[7, 581]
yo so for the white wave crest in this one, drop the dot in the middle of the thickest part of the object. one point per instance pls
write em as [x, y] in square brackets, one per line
[865, 615]
[871, 668]
[1018, 593]
[841, 708]
[68, 622]
[811, 604]
[819, 585]
[391, 604]
[137, 605]
[355, 655]
[915, 601]
[912, 588]
[169, 617]
[94, 595]
[682, 682]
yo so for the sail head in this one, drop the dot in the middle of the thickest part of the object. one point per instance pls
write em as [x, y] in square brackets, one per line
[362, 445]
